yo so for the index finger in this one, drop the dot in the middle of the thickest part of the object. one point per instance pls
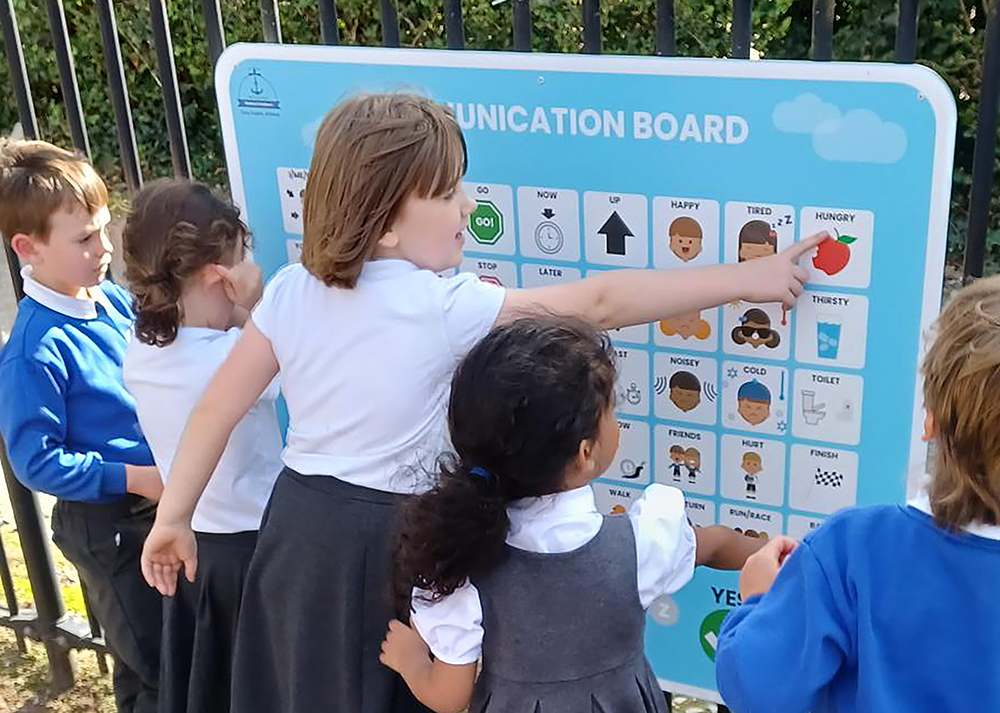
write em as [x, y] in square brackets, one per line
[803, 246]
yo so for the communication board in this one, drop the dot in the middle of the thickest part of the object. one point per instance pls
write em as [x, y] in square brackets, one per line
[768, 421]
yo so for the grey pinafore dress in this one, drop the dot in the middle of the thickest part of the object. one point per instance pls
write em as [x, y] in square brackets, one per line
[564, 633]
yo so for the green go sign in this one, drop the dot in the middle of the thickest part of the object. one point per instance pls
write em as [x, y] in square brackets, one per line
[486, 223]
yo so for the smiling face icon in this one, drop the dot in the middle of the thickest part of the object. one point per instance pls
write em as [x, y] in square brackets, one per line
[685, 238]
[754, 402]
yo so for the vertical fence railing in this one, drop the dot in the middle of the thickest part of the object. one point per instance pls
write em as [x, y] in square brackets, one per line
[214, 32]
[522, 25]
[742, 13]
[171, 94]
[118, 89]
[49, 607]
[906, 31]
[10, 597]
[821, 48]
[390, 23]
[18, 71]
[666, 35]
[454, 28]
[270, 20]
[25, 108]
[592, 26]
[67, 76]
[984, 154]
[329, 31]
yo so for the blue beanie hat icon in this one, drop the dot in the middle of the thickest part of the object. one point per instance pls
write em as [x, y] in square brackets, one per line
[754, 391]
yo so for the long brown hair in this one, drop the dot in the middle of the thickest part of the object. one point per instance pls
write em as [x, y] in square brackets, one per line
[962, 392]
[372, 153]
[175, 228]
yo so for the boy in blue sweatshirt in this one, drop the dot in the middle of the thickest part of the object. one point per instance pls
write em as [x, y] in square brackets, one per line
[891, 608]
[69, 424]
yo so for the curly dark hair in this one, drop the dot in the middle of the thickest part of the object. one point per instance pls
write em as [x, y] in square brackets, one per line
[521, 403]
[175, 228]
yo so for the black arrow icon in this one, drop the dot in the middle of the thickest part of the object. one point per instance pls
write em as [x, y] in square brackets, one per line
[615, 230]
[548, 213]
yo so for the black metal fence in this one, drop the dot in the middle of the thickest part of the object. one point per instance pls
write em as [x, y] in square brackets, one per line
[47, 622]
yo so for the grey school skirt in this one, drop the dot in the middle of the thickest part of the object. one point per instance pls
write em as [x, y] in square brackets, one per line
[317, 602]
[199, 626]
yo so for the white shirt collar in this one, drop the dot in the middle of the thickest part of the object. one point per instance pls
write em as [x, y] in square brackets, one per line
[922, 502]
[560, 522]
[58, 302]
[383, 268]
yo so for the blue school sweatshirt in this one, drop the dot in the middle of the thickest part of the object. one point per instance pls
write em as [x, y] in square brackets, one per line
[879, 610]
[68, 422]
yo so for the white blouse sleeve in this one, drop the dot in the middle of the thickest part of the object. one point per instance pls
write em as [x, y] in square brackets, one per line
[273, 390]
[471, 308]
[267, 315]
[452, 627]
[664, 542]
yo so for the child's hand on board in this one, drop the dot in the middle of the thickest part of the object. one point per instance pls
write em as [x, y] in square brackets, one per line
[243, 282]
[168, 547]
[403, 650]
[779, 278]
[763, 566]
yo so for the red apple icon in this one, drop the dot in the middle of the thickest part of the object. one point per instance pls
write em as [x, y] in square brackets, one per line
[833, 254]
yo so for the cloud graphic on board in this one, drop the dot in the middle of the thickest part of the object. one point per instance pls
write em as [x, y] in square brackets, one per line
[859, 136]
[803, 114]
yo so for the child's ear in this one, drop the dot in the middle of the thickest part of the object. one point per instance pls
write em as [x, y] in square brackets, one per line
[212, 274]
[930, 427]
[24, 247]
[585, 456]
[389, 240]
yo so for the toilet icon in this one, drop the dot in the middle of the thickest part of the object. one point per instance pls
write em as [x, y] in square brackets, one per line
[812, 412]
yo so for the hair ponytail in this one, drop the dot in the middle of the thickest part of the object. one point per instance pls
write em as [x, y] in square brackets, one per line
[521, 403]
[453, 532]
[157, 308]
[175, 229]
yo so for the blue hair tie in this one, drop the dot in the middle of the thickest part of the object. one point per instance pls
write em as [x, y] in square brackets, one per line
[482, 473]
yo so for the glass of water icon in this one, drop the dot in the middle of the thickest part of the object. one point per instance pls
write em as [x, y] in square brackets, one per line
[827, 336]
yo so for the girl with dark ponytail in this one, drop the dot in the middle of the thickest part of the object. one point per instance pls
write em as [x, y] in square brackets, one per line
[185, 262]
[507, 558]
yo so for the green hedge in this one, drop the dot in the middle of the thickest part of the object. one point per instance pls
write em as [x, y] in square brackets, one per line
[950, 41]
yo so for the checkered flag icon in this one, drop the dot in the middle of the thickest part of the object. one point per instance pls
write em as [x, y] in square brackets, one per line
[829, 478]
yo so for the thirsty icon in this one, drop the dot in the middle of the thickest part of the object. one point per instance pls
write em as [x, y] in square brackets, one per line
[827, 336]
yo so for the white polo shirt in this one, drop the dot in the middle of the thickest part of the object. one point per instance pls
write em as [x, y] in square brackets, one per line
[167, 383]
[366, 372]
